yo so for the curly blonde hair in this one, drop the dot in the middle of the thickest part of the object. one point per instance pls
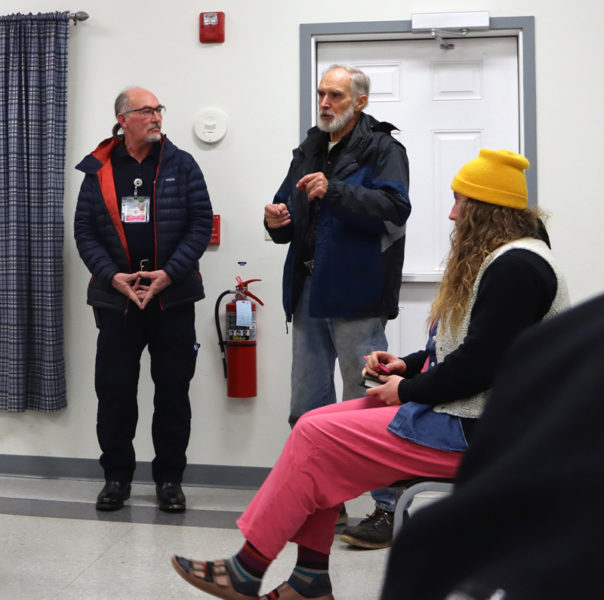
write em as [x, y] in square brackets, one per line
[480, 228]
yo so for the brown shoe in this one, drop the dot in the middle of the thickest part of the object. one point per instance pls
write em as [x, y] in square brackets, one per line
[210, 577]
[287, 592]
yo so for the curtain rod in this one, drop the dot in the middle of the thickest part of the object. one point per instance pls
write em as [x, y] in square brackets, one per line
[78, 16]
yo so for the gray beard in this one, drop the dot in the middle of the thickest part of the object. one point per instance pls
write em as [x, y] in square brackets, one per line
[338, 122]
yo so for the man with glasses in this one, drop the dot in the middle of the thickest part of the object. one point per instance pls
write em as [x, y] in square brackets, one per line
[143, 220]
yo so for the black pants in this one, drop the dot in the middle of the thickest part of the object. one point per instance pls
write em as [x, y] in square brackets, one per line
[170, 337]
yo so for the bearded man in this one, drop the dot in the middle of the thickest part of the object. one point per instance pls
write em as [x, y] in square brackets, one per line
[342, 208]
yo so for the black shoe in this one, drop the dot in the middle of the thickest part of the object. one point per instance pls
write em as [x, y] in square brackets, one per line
[170, 497]
[113, 495]
[343, 517]
[373, 532]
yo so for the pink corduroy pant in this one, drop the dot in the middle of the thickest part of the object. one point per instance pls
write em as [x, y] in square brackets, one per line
[333, 454]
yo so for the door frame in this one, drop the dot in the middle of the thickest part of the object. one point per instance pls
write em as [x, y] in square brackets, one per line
[521, 27]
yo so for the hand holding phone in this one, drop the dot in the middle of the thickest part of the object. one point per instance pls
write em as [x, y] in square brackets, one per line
[369, 381]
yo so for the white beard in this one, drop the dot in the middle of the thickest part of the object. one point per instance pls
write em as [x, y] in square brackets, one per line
[337, 123]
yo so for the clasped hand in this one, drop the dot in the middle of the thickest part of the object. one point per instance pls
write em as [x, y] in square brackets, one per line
[141, 294]
[388, 392]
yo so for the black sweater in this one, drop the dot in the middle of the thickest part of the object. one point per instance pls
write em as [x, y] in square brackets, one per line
[516, 291]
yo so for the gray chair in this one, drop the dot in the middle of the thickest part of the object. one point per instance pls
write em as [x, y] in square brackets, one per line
[408, 491]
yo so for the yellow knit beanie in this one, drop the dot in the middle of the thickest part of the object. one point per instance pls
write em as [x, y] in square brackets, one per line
[496, 177]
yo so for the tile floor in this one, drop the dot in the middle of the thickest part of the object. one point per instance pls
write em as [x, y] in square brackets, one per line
[54, 545]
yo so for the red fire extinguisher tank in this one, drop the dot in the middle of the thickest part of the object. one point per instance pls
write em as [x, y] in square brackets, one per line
[239, 345]
[240, 354]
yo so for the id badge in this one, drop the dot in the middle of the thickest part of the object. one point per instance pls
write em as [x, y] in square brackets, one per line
[135, 209]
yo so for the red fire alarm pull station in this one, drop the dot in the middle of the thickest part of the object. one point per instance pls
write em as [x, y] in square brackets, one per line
[215, 237]
[211, 27]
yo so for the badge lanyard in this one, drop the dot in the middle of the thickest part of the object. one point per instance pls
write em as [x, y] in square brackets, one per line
[135, 208]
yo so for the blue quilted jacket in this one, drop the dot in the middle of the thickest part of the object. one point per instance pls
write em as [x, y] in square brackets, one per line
[360, 238]
[183, 225]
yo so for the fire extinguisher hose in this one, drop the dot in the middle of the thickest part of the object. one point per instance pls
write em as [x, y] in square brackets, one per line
[221, 341]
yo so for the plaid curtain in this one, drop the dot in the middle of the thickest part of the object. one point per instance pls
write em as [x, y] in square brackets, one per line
[33, 99]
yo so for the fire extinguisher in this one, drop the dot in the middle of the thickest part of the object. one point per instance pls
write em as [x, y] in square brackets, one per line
[239, 348]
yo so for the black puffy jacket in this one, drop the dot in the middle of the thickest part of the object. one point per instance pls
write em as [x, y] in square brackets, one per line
[183, 225]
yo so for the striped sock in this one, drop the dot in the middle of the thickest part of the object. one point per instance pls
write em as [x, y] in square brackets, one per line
[246, 569]
[310, 577]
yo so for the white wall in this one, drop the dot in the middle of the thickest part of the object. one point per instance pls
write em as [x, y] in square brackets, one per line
[253, 76]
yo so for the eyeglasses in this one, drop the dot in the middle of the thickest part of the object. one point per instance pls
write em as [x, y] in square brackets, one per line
[147, 111]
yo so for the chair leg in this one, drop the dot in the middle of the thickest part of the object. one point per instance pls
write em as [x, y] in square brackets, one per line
[401, 509]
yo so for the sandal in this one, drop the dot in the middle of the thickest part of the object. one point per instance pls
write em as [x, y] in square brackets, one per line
[287, 592]
[210, 577]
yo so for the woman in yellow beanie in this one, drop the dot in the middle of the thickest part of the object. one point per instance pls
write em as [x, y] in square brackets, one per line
[496, 177]
[490, 211]
[500, 278]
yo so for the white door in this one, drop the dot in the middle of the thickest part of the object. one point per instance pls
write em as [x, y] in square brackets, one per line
[447, 104]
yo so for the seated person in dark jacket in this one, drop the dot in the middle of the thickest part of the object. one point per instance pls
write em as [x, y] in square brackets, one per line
[525, 519]
[499, 280]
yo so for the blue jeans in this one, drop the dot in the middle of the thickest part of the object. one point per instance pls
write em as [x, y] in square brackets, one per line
[316, 345]
[384, 498]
